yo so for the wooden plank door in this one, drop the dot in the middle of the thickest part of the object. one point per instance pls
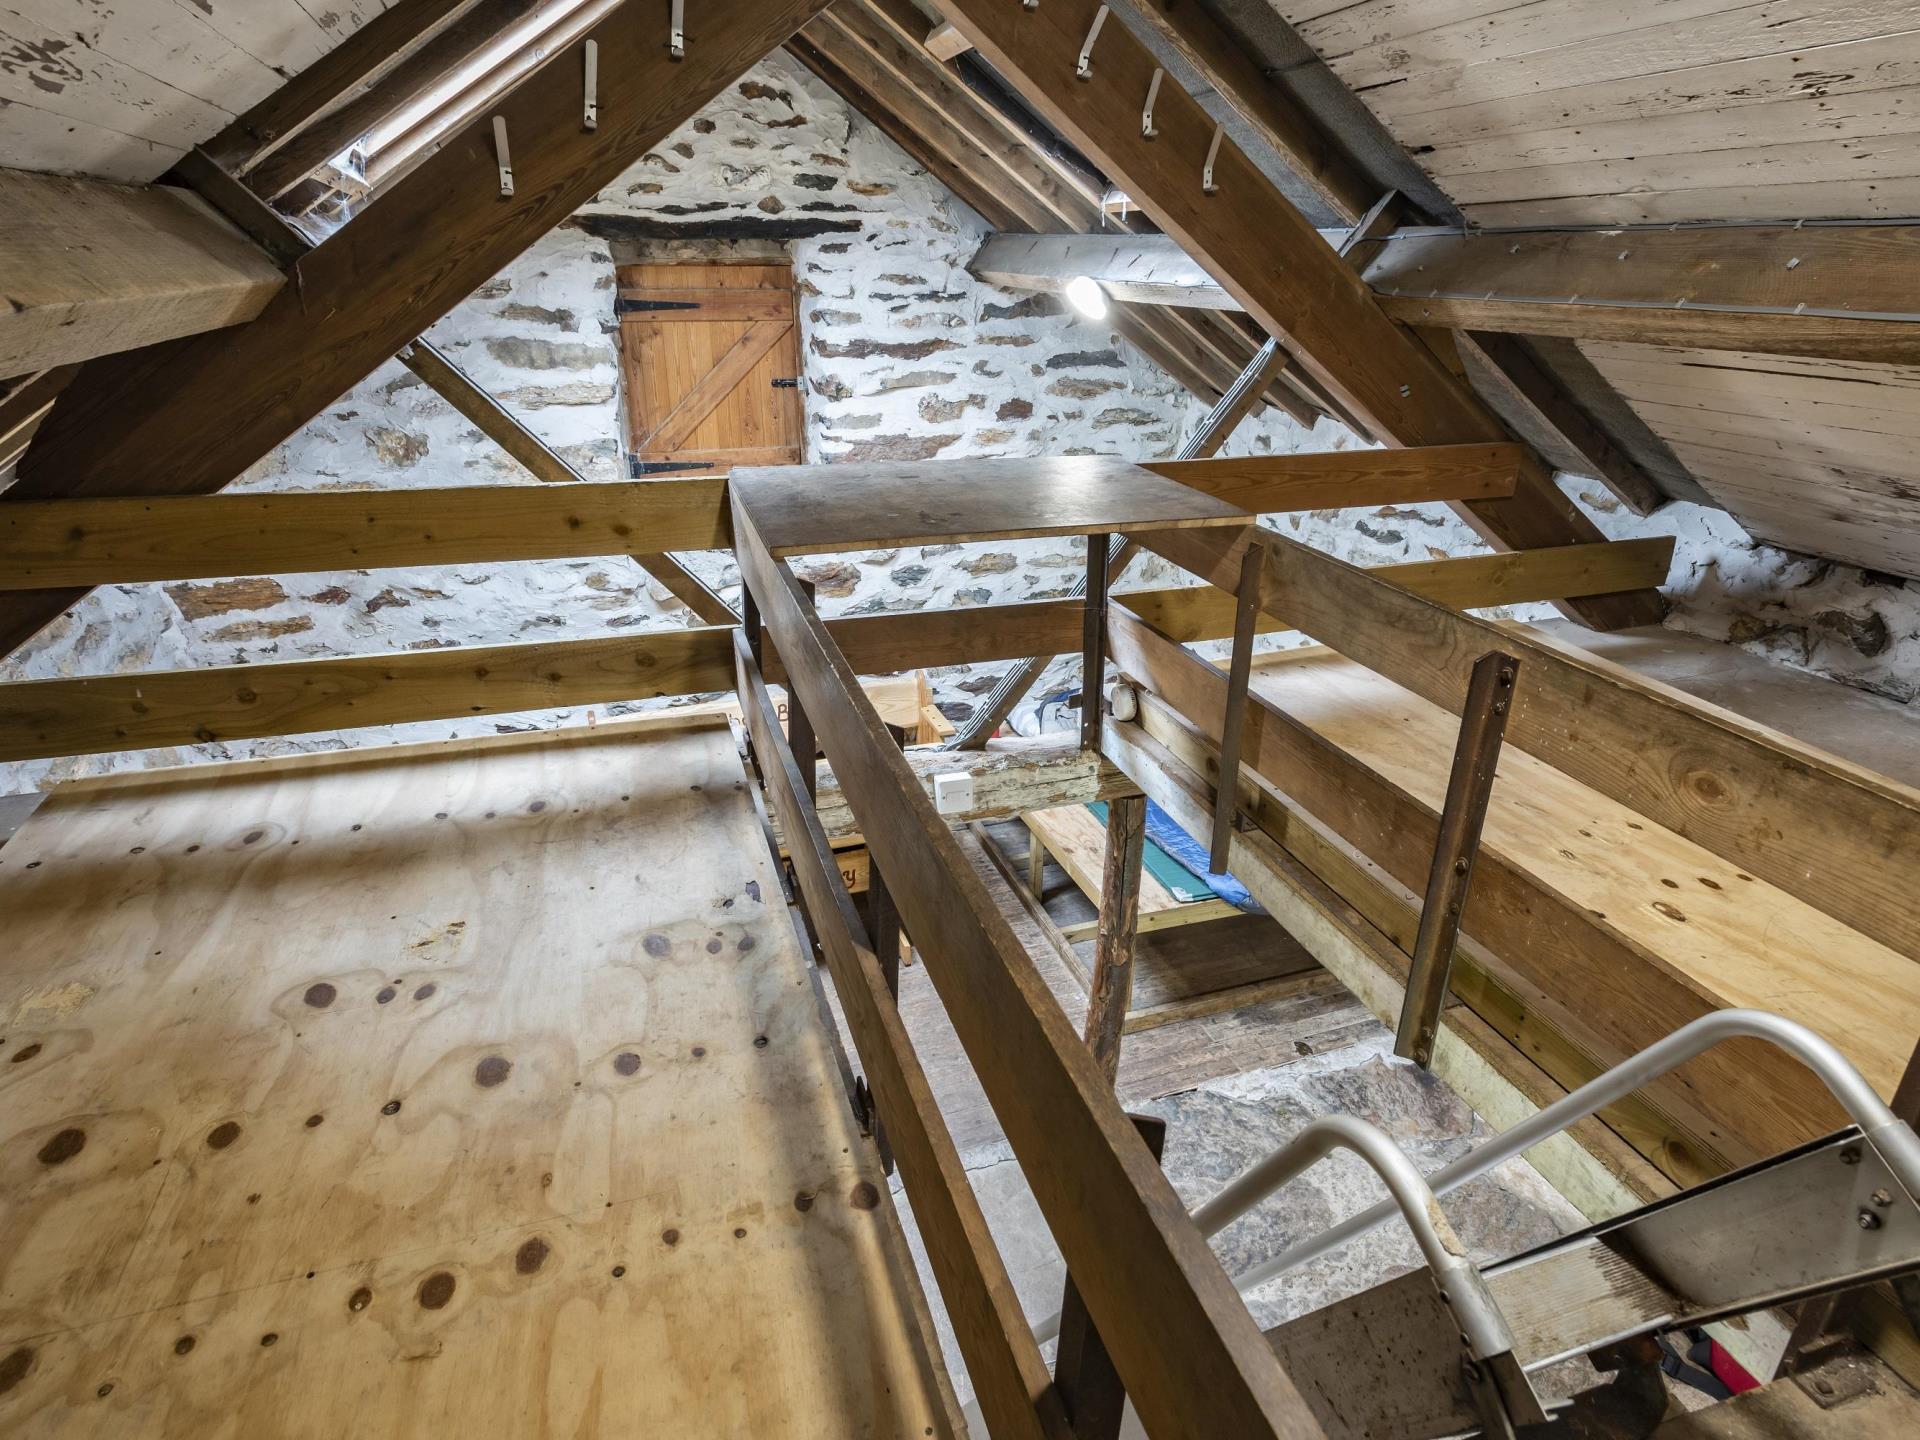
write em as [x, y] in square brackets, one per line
[710, 356]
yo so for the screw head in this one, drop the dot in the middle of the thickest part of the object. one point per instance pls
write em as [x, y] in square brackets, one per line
[1883, 1197]
[1869, 1220]
[1850, 1155]
[1460, 866]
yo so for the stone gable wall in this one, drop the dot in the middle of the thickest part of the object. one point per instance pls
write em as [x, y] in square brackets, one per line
[906, 356]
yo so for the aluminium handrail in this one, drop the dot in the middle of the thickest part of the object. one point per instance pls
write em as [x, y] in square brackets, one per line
[1890, 1137]
[1474, 1309]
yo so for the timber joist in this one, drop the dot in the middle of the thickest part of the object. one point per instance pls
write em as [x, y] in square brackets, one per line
[1224, 212]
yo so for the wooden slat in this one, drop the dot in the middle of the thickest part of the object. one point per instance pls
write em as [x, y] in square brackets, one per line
[309, 132]
[1333, 479]
[99, 542]
[1841, 838]
[41, 718]
[1010, 1379]
[1189, 1352]
[1264, 252]
[1471, 582]
[78, 716]
[679, 423]
[191, 415]
[88, 269]
[871, 52]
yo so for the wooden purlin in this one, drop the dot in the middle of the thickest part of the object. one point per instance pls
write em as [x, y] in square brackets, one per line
[189, 416]
[1192, 1358]
[1314, 302]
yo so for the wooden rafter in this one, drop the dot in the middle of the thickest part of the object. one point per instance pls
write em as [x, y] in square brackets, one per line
[427, 59]
[363, 59]
[1237, 226]
[869, 52]
[1237, 77]
[190, 416]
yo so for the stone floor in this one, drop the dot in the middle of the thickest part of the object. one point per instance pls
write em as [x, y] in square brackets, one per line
[1216, 1128]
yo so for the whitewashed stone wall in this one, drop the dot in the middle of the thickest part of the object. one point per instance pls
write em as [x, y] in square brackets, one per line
[905, 356]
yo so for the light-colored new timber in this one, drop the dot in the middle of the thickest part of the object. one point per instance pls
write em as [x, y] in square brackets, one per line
[1332, 479]
[1204, 612]
[1740, 938]
[1830, 832]
[97, 542]
[868, 507]
[426, 1094]
[1077, 839]
[88, 268]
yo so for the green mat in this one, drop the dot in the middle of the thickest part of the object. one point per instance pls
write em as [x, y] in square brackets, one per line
[1178, 881]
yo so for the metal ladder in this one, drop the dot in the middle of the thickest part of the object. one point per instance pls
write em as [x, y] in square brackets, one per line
[1448, 1350]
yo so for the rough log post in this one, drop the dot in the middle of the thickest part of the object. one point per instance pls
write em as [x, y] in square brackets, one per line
[1112, 988]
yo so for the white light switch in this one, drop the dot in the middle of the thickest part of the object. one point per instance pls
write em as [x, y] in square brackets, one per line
[953, 792]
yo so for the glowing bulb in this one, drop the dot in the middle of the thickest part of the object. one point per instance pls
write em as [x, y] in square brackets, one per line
[1085, 295]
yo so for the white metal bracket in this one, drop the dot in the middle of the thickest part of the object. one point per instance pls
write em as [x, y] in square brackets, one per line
[590, 113]
[1146, 111]
[501, 157]
[677, 31]
[1213, 153]
[1083, 67]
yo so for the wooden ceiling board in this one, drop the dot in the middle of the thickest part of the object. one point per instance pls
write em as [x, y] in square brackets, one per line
[1649, 111]
[121, 92]
[1821, 456]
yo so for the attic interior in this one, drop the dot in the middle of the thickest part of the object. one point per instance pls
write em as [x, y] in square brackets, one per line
[960, 717]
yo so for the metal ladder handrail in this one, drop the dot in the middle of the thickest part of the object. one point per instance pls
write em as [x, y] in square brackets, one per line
[1459, 1279]
[1891, 1137]
[1887, 1133]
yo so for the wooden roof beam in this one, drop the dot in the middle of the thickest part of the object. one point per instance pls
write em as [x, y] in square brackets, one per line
[88, 268]
[1237, 78]
[188, 416]
[1843, 292]
[1224, 212]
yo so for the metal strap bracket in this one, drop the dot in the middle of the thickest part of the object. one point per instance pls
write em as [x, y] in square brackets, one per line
[1083, 67]
[501, 157]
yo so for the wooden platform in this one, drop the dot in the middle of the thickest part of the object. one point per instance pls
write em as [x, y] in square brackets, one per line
[870, 507]
[1075, 837]
[1726, 932]
[455, 1090]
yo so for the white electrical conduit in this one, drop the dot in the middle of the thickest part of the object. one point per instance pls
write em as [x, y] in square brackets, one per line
[1890, 1137]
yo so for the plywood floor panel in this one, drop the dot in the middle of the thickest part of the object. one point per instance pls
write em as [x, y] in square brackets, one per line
[1739, 938]
[479, 1090]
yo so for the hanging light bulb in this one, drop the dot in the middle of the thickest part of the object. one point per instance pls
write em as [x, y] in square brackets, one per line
[1083, 292]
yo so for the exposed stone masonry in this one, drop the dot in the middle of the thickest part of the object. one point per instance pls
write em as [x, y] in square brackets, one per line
[905, 355]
